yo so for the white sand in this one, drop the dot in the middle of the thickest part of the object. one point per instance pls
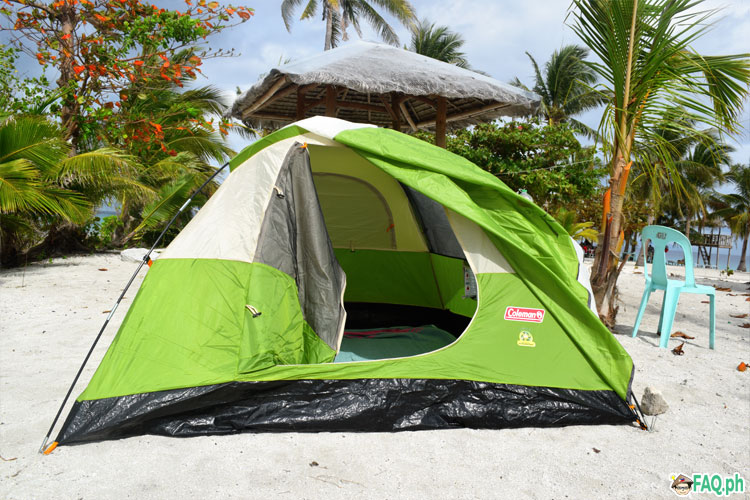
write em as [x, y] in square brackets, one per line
[50, 313]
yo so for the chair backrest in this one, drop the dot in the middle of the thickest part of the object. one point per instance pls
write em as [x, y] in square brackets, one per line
[660, 237]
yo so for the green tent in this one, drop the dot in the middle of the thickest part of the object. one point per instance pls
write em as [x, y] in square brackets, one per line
[347, 277]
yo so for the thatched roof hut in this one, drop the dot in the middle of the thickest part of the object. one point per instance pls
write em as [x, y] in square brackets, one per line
[379, 84]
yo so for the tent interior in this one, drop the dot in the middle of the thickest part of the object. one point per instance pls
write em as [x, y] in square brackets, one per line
[409, 288]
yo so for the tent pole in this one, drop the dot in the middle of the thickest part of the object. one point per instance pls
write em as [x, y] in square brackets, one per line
[440, 121]
[146, 260]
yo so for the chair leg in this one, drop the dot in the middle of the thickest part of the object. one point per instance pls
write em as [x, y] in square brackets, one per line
[712, 321]
[668, 311]
[641, 310]
[661, 313]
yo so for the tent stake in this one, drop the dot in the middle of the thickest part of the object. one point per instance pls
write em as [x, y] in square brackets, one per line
[146, 259]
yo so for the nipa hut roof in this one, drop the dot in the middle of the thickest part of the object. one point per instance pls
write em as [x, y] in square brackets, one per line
[379, 84]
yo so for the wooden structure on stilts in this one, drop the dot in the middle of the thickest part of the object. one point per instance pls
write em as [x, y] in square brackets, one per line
[386, 86]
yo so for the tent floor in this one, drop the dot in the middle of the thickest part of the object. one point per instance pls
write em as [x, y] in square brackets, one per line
[387, 343]
[365, 315]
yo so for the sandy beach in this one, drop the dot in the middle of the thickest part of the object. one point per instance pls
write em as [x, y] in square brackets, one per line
[50, 312]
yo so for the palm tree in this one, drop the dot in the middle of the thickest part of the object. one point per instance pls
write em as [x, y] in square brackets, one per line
[36, 173]
[174, 151]
[565, 86]
[438, 42]
[648, 66]
[340, 14]
[568, 219]
[734, 208]
[699, 171]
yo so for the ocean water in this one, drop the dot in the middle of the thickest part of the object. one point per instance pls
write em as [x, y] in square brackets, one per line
[675, 253]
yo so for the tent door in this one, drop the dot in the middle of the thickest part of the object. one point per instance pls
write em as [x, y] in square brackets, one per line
[294, 240]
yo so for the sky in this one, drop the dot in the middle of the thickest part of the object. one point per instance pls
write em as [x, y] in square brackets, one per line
[497, 35]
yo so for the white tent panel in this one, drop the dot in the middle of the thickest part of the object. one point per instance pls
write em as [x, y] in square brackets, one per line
[228, 225]
[482, 254]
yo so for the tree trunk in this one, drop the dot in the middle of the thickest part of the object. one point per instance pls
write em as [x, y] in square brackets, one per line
[606, 271]
[70, 109]
[328, 13]
[687, 226]
[729, 254]
[742, 265]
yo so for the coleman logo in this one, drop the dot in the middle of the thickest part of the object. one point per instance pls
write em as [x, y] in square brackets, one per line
[524, 314]
[525, 339]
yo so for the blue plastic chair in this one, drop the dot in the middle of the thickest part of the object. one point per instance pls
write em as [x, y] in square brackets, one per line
[660, 237]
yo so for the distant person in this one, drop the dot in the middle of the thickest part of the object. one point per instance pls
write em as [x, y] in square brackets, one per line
[650, 253]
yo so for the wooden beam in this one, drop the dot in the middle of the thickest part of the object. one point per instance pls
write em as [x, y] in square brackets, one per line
[267, 95]
[330, 100]
[301, 91]
[300, 103]
[425, 100]
[396, 120]
[260, 115]
[465, 114]
[311, 104]
[440, 116]
[363, 106]
[395, 99]
[402, 106]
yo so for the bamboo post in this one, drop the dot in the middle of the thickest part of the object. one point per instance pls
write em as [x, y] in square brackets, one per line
[330, 100]
[395, 99]
[300, 103]
[440, 121]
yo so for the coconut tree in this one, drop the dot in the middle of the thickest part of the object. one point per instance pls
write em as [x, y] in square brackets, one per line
[647, 65]
[340, 14]
[36, 173]
[565, 85]
[699, 171]
[438, 42]
[734, 208]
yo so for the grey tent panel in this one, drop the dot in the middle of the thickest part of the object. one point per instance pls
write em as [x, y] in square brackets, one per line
[294, 240]
[435, 226]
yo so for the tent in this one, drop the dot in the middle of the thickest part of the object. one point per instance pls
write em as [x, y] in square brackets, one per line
[347, 277]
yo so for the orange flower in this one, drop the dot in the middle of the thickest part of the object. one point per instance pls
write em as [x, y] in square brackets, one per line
[79, 69]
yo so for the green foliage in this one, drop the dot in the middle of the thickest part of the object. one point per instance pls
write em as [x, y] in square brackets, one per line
[31, 152]
[568, 219]
[649, 73]
[546, 160]
[438, 42]
[108, 227]
[22, 95]
[565, 86]
[31, 191]
[734, 207]
[101, 47]
[340, 14]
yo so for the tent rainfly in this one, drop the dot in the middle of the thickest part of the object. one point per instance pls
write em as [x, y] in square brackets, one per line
[346, 277]
[387, 86]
